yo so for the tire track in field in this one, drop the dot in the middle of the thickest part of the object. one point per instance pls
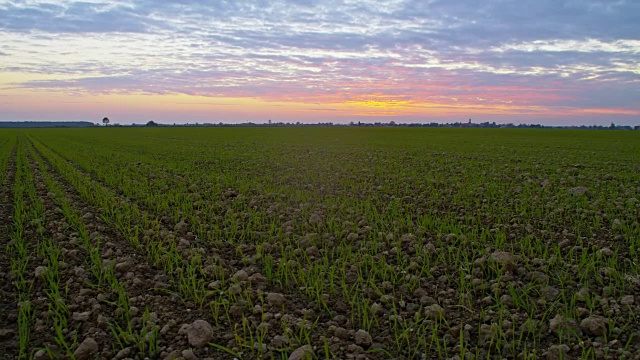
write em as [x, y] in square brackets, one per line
[78, 316]
[8, 296]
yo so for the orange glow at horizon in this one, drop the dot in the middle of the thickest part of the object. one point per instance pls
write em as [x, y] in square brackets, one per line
[138, 107]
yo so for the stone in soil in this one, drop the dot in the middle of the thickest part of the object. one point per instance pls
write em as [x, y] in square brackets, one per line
[627, 300]
[302, 353]
[123, 267]
[188, 355]
[6, 334]
[81, 316]
[240, 275]
[505, 259]
[315, 219]
[276, 299]
[40, 271]
[363, 338]
[594, 325]
[199, 333]
[434, 312]
[257, 278]
[87, 349]
[557, 352]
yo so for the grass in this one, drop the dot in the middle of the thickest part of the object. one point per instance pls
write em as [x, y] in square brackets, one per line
[437, 242]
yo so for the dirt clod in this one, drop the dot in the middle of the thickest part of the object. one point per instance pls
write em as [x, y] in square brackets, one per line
[302, 353]
[363, 338]
[87, 349]
[505, 259]
[594, 325]
[199, 333]
[276, 299]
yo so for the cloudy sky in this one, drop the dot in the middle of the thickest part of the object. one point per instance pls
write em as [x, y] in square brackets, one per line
[523, 61]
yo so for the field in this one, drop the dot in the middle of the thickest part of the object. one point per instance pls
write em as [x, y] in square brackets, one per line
[295, 243]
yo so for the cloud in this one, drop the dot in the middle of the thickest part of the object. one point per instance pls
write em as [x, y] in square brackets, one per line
[80, 17]
[549, 53]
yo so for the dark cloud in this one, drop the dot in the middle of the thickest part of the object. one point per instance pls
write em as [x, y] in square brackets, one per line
[77, 17]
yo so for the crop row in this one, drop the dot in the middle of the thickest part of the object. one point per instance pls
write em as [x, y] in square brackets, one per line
[354, 247]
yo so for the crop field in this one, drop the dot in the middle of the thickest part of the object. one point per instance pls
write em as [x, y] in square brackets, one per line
[319, 243]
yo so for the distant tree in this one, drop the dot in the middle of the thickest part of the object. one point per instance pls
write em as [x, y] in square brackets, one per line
[105, 121]
[151, 123]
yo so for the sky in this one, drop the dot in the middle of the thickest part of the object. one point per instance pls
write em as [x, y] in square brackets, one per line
[553, 62]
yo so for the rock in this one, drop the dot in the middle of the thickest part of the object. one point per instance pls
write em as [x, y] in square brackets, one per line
[276, 299]
[257, 278]
[40, 271]
[627, 300]
[240, 275]
[539, 277]
[188, 355]
[87, 216]
[560, 324]
[173, 355]
[363, 339]
[312, 251]
[549, 293]
[578, 191]
[40, 355]
[123, 267]
[81, 316]
[302, 353]
[183, 329]
[352, 237]
[342, 333]
[315, 219]
[434, 312]
[594, 325]
[236, 311]
[87, 349]
[505, 259]
[557, 352]
[430, 248]
[103, 322]
[199, 333]
[6, 334]
[181, 227]
[235, 289]
[606, 251]
[279, 342]
[123, 353]
[78, 271]
[506, 300]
